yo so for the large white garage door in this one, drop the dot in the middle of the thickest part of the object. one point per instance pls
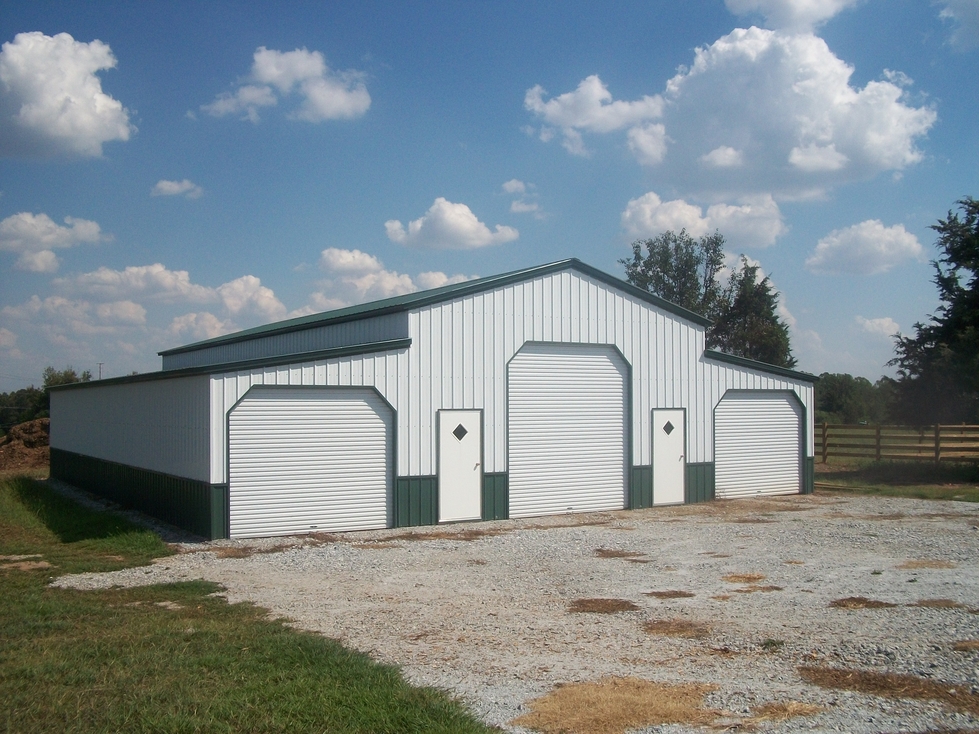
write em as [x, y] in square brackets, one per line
[567, 430]
[307, 460]
[757, 445]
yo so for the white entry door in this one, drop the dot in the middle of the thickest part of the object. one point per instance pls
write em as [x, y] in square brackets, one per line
[669, 456]
[460, 465]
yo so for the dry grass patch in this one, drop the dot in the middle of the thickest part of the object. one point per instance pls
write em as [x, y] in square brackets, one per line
[752, 520]
[25, 566]
[374, 545]
[914, 565]
[233, 551]
[616, 553]
[794, 563]
[713, 554]
[966, 646]
[676, 628]
[615, 705]
[860, 602]
[778, 711]
[893, 685]
[672, 594]
[938, 604]
[722, 597]
[743, 578]
[601, 606]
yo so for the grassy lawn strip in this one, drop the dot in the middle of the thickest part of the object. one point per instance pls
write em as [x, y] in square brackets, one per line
[170, 658]
[915, 479]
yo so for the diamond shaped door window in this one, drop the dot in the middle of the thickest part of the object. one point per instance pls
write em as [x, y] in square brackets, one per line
[460, 432]
[668, 428]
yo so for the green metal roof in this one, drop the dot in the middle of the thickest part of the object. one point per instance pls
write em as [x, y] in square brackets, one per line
[436, 295]
[760, 366]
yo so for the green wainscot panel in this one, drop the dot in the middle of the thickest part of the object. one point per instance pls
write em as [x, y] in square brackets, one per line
[808, 475]
[416, 501]
[496, 497]
[640, 487]
[198, 507]
[700, 482]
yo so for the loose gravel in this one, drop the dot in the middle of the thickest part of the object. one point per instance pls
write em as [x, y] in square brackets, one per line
[492, 612]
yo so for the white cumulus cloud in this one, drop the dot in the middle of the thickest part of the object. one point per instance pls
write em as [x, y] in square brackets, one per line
[147, 281]
[51, 99]
[121, 312]
[964, 16]
[754, 222]
[784, 102]
[515, 186]
[247, 294]
[34, 237]
[199, 325]
[723, 156]
[324, 94]
[868, 248]
[796, 15]
[448, 226]
[648, 143]
[885, 327]
[353, 276]
[591, 108]
[177, 188]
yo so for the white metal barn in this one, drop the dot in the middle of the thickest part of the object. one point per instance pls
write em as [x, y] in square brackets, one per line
[549, 390]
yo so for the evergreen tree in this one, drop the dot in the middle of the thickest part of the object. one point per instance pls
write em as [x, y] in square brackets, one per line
[938, 367]
[748, 324]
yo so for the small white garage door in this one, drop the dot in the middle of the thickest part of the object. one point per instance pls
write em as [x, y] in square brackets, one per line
[757, 444]
[307, 460]
[567, 430]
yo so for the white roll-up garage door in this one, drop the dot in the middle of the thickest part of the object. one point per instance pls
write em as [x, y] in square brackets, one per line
[307, 460]
[567, 430]
[757, 444]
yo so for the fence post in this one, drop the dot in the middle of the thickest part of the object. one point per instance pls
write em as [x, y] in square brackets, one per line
[938, 443]
[877, 445]
[825, 445]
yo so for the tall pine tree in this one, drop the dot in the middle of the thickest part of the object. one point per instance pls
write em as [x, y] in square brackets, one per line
[938, 368]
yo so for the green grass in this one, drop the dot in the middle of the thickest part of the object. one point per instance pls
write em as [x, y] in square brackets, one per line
[170, 658]
[917, 479]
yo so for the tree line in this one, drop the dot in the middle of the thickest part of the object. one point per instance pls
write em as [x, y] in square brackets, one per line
[937, 367]
[32, 402]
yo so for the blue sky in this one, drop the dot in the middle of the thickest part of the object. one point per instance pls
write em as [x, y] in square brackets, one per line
[175, 171]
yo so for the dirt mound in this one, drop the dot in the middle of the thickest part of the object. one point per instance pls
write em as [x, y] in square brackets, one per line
[26, 446]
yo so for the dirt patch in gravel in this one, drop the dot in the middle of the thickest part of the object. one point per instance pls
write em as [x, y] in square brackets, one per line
[743, 578]
[601, 606]
[463, 535]
[616, 553]
[676, 628]
[615, 705]
[938, 604]
[893, 685]
[966, 646]
[860, 602]
[671, 594]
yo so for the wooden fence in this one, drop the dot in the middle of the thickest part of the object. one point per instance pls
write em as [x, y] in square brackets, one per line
[934, 443]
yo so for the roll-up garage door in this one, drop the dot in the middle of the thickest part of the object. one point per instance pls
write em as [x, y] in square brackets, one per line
[567, 430]
[757, 444]
[307, 460]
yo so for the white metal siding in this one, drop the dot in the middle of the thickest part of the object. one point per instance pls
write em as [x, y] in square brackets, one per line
[309, 460]
[567, 415]
[364, 331]
[460, 350]
[161, 425]
[758, 442]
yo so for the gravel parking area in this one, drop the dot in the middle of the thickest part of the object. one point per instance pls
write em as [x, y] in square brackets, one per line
[736, 594]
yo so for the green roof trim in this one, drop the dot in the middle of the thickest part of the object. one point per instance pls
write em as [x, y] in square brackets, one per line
[275, 361]
[760, 366]
[436, 295]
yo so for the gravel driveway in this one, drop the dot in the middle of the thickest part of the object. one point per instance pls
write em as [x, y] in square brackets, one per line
[487, 610]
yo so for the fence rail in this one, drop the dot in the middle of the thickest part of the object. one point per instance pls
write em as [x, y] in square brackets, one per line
[933, 443]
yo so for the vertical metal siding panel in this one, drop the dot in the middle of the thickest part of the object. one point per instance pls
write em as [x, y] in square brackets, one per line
[217, 445]
[457, 350]
[163, 425]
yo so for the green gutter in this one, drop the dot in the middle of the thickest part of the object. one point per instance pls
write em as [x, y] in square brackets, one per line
[275, 361]
[436, 295]
[760, 366]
